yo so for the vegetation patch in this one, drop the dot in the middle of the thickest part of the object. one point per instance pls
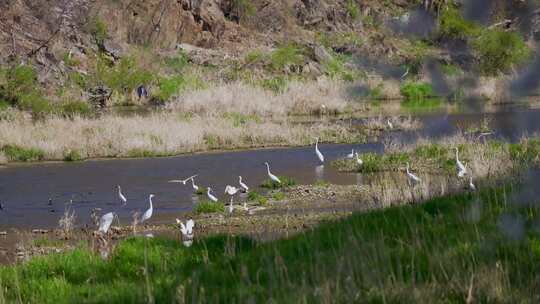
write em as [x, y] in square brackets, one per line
[16, 153]
[257, 197]
[285, 183]
[498, 51]
[438, 248]
[209, 207]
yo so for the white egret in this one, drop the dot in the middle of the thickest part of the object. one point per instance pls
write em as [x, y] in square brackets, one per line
[105, 222]
[319, 154]
[187, 229]
[359, 161]
[389, 123]
[270, 175]
[471, 185]
[412, 177]
[210, 196]
[231, 191]
[461, 168]
[121, 195]
[351, 155]
[148, 213]
[195, 187]
[242, 184]
[183, 181]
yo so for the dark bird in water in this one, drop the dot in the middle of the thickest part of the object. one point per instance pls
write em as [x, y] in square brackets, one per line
[1, 206]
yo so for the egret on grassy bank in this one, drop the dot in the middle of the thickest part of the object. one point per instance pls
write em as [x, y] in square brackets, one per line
[270, 175]
[121, 195]
[413, 178]
[210, 196]
[319, 154]
[389, 123]
[471, 184]
[187, 231]
[359, 161]
[244, 186]
[461, 168]
[231, 191]
[148, 213]
[183, 181]
[105, 222]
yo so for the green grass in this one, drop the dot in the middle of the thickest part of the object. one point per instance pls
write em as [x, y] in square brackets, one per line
[257, 197]
[452, 25]
[413, 91]
[209, 207]
[16, 153]
[72, 155]
[418, 253]
[285, 182]
[278, 196]
[498, 51]
[286, 55]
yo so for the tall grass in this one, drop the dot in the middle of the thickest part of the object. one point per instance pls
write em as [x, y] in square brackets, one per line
[158, 134]
[447, 250]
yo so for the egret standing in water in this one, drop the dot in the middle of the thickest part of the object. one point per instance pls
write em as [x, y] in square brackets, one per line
[211, 196]
[105, 222]
[319, 154]
[242, 184]
[351, 155]
[471, 184]
[121, 196]
[461, 168]
[148, 213]
[270, 175]
[412, 178]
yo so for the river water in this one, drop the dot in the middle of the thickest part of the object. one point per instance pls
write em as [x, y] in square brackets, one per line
[26, 189]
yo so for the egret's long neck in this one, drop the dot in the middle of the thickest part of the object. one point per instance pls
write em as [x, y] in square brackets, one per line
[268, 168]
[457, 157]
[407, 168]
[192, 182]
[240, 179]
[150, 199]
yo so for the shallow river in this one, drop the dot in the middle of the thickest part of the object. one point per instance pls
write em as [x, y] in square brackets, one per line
[25, 189]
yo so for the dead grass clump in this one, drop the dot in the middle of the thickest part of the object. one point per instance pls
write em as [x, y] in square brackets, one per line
[396, 123]
[160, 134]
[66, 224]
[299, 98]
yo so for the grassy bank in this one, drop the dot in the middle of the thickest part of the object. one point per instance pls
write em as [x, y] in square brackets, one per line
[456, 249]
[484, 158]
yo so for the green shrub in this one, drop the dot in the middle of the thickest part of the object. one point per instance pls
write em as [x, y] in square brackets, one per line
[278, 196]
[278, 84]
[452, 25]
[240, 119]
[290, 54]
[98, 30]
[72, 155]
[256, 197]
[243, 8]
[209, 207]
[70, 61]
[285, 182]
[497, 51]
[352, 9]
[35, 103]
[16, 153]
[75, 108]
[178, 63]
[336, 68]
[416, 91]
